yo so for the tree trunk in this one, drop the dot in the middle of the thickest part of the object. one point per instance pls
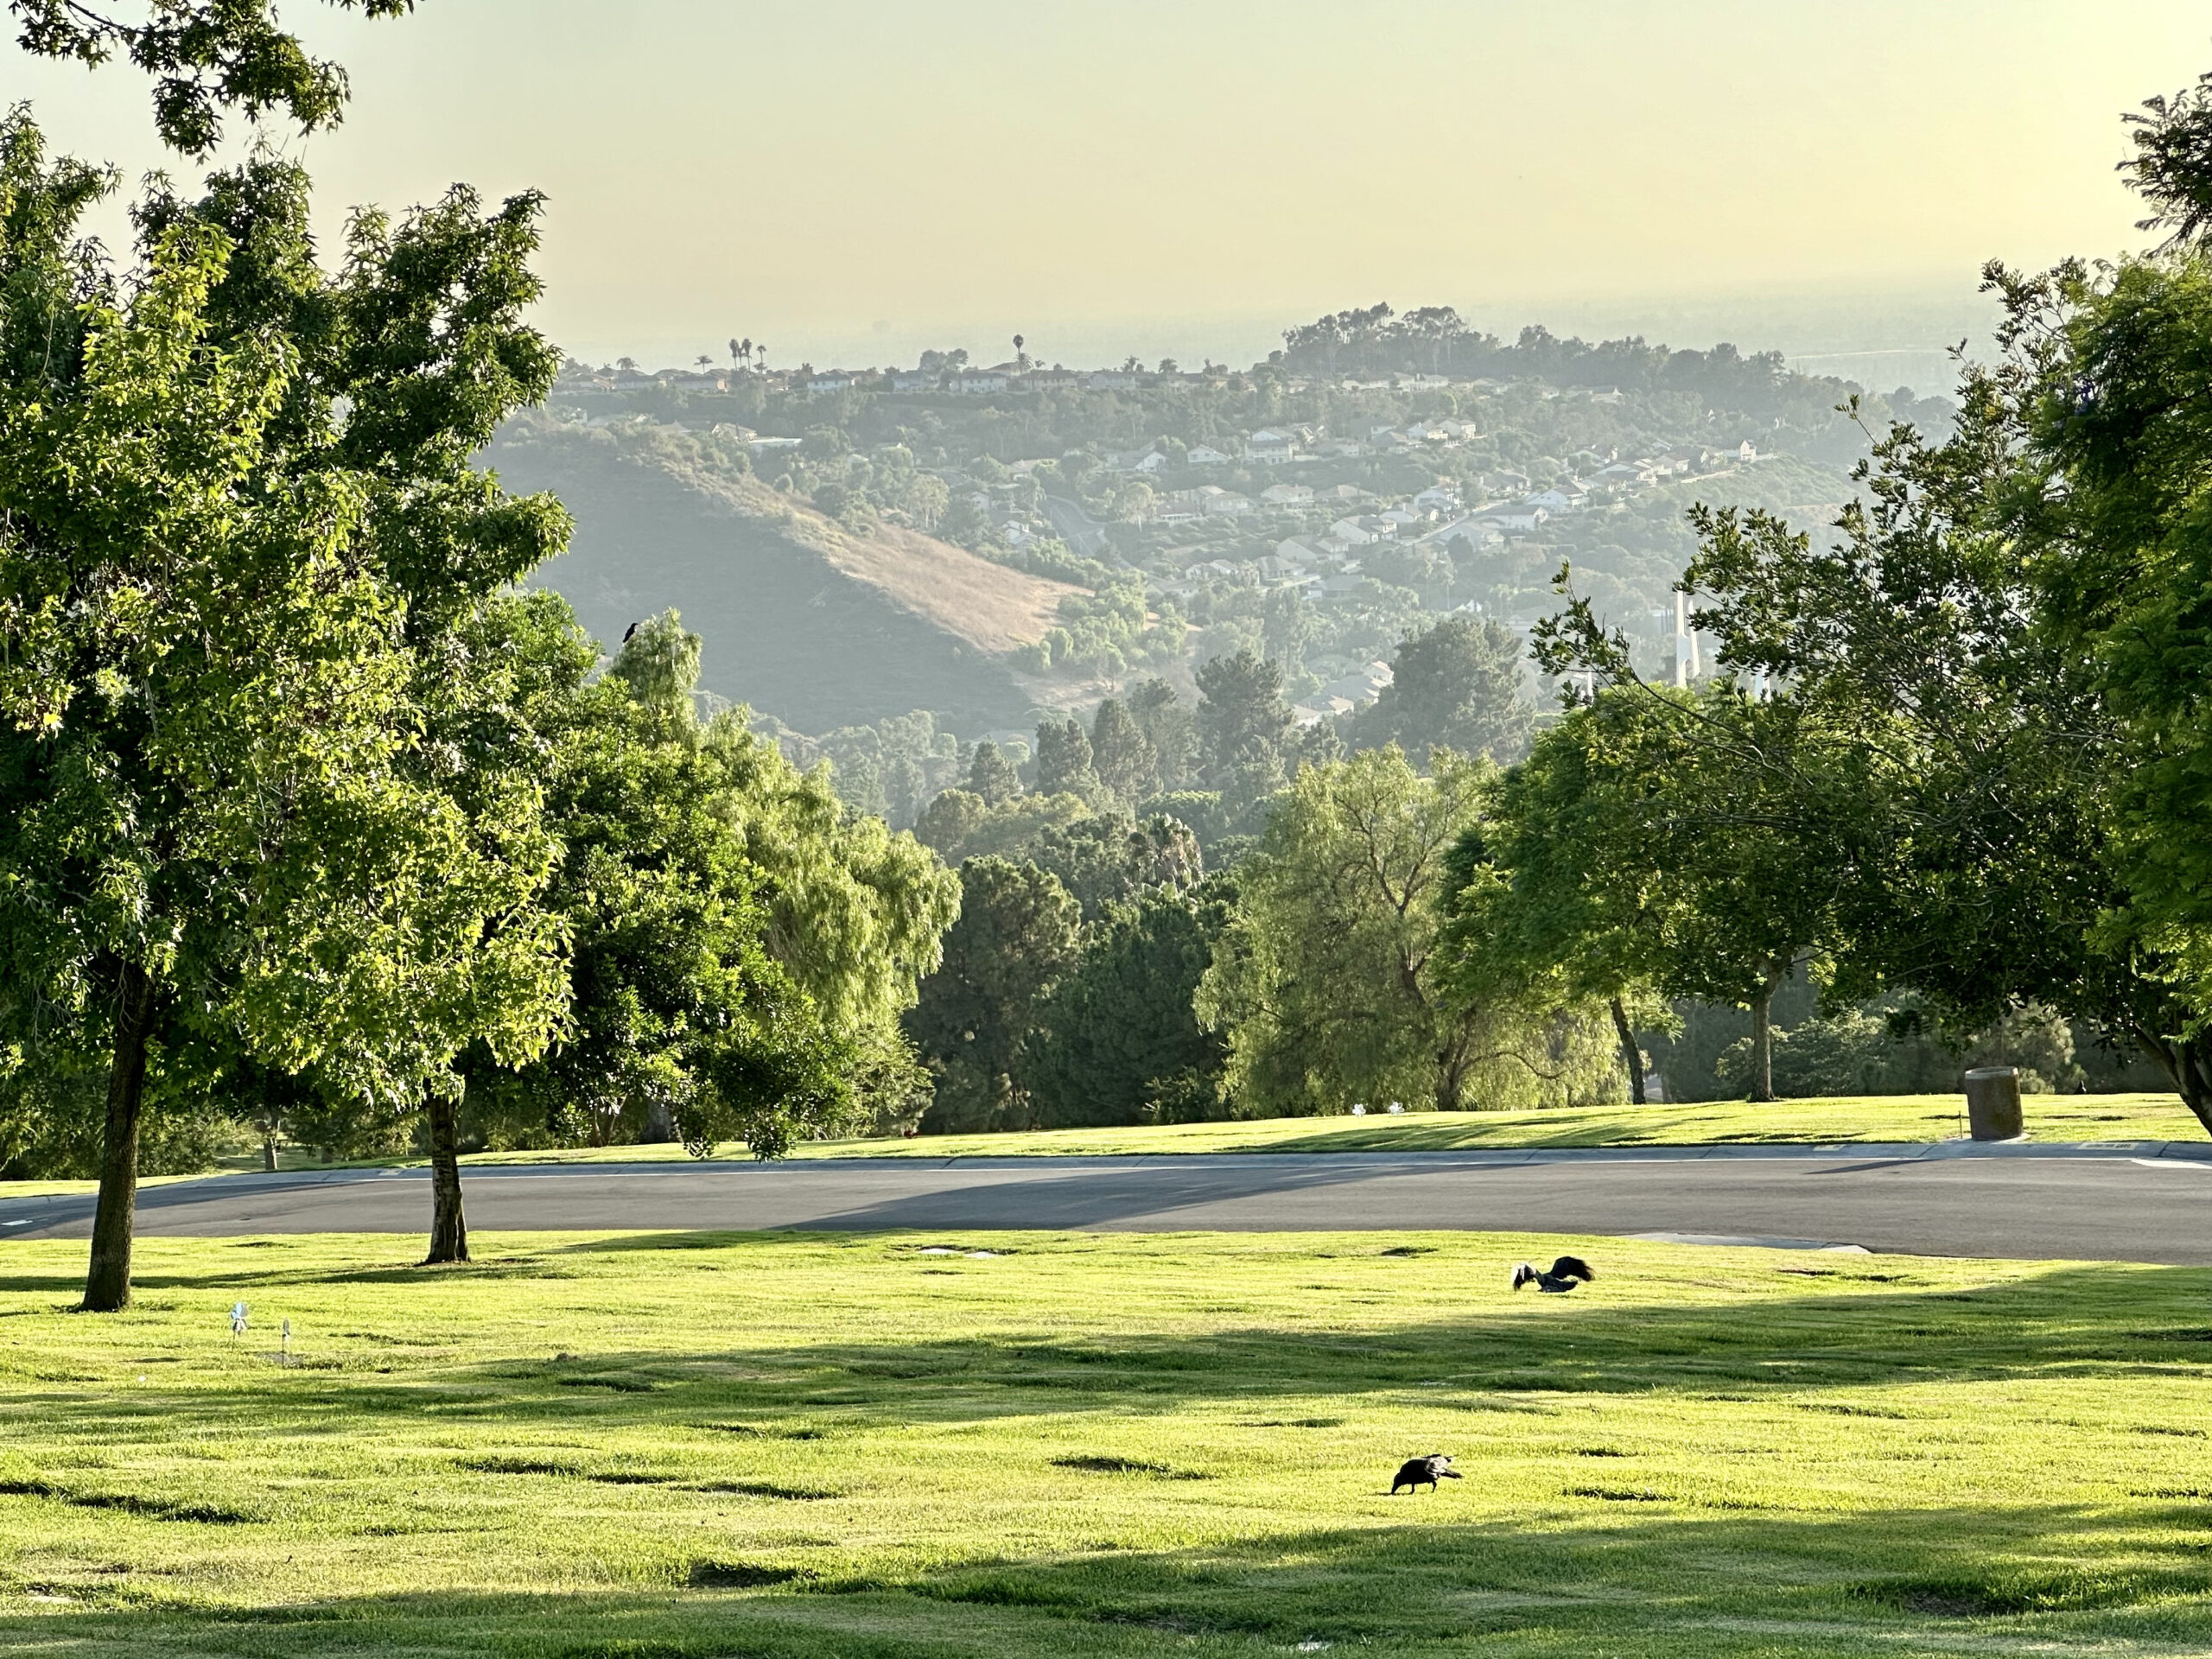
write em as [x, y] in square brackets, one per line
[1631, 1056]
[448, 1229]
[1762, 1036]
[269, 1152]
[2178, 1058]
[107, 1281]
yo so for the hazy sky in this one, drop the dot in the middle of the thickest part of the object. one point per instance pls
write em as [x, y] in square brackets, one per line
[849, 180]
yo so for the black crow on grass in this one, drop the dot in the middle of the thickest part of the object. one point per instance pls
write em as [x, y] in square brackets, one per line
[1560, 1277]
[1429, 1470]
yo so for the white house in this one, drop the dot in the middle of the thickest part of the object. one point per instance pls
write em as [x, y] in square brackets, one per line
[975, 386]
[1230, 503]
[1441, 498]
[1287, 495]
[1747, 452]
[1202, 454]
[1518, 521]
[1268, 448]
[1349, 531]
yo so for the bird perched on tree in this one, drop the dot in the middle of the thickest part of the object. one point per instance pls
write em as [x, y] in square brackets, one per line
[1432, 1468]
[1560, 1277]
[630, 630]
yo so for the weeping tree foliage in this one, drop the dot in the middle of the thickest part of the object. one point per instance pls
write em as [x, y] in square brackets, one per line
[1538, 904]
[740, 950]
[1330, 983]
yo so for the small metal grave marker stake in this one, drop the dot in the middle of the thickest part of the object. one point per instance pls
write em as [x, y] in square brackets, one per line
[288, 1342]
[238, 1320]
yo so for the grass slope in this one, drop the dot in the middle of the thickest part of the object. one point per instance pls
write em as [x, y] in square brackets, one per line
[1871, 1118]
[641, 1447]
[801, 618]
[1880, 1118]
[1890, 1118]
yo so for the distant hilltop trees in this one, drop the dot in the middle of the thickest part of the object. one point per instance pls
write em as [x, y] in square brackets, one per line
[1432, 340]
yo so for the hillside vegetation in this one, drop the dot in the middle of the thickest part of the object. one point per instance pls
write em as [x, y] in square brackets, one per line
[803, 617]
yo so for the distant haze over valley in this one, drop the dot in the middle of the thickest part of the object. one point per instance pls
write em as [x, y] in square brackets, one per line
[1883, 336]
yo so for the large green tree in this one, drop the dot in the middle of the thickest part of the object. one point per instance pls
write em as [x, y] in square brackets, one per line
[1456, 685]
[1534, 902]
[236, 800]
[1117, 1040]
[259, 658]
[741, 948]
[1017, 933]
[1328, 983]
[1243, 726]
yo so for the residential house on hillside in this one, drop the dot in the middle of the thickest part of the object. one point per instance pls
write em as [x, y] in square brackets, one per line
[1287, 495]
[1353, 691]
[1268, 448]
[1204, 454]
[1351, 533]
[982, 383]
[1228, 502]
[1519, 520]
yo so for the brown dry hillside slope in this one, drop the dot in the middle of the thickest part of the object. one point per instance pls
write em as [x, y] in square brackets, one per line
[802, 618]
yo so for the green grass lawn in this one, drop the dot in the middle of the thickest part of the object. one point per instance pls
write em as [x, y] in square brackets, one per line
[663, 1447]
[1864, 1118]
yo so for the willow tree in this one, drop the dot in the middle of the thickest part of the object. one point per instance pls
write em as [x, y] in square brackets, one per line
[740, 950]
[1331, 982]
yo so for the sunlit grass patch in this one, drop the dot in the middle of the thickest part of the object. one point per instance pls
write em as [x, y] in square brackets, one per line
[770, 1445]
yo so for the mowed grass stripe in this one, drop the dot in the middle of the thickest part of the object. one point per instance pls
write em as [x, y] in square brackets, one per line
[1086, 1444]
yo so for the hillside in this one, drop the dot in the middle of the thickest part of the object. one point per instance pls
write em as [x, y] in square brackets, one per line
[802, 618]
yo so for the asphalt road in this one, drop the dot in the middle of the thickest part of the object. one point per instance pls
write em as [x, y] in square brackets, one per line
[2150, 1203]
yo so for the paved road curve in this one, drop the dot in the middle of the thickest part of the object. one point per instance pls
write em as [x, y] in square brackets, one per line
[2150, 1203]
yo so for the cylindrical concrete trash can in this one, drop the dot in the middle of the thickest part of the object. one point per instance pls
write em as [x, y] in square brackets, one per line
[1994, 1103]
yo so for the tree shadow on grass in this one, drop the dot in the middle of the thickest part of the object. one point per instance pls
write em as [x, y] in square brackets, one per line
[1411, 1580]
